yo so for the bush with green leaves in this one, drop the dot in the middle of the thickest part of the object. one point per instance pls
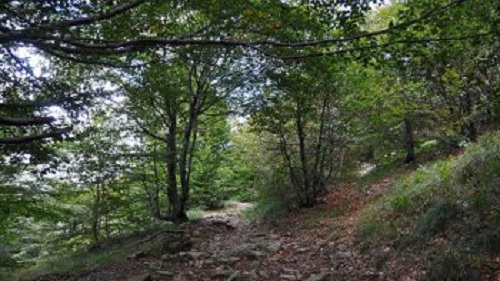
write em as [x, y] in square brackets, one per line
[458, 197]
[452, 265]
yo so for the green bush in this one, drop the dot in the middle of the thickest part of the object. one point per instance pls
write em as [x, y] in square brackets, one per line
[451, 265]
[458, 197]
[6, 260]
[437, 218]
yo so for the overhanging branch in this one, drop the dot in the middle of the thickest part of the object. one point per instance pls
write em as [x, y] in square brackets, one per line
[57, 133]
[31, 121]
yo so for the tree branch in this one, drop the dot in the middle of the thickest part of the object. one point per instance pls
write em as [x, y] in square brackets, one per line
[108, 47]
[384, 45]
[120, 9]
[25, 139]
[12, 121]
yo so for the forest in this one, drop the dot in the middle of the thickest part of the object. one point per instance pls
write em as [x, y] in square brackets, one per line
[249, 140]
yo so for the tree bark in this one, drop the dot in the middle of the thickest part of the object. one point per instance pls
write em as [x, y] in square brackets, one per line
[409, 141]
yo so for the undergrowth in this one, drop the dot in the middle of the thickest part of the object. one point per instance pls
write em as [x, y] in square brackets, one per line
[457, 200]
[81, 260]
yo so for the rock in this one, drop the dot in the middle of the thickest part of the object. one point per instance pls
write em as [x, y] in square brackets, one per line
[155, 265]
[235, 276]
[167, 257]
[288, 277]
[274, 247]
[264, 275]
[221, 273]
[301, 250]
[319, 276]
[136, 254]
[254, 254]
[164, 242]
[229, 260]
[343, 255]
[290, 274]
[192, 255]
[250, 276]
[165, 273]
[141, 277]
[290, 271]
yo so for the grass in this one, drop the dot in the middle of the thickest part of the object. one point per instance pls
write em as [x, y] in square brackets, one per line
[82, 260]
[68, 263]
[455, 199]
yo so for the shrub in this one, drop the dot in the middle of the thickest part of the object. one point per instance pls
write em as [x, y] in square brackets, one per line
[451, 265]
[437, 218]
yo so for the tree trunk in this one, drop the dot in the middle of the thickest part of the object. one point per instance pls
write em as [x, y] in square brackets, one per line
[409, 141]
[177, 208]
[309, 200]
[470, 130]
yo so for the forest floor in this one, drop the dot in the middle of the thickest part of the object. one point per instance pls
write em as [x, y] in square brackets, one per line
[314, 244]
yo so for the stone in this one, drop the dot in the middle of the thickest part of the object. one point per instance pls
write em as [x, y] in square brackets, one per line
[165, 273]
[167, 242]
[301, 250]
[319, 276]
[235, 276]
[254, 254]
[343, 255]
[229, 260]
[290, 271]
[221, 273]
[288, 277]
[192, 255]
[264, 275]
[136, 254]
[250, 276]
[141, 277]
[274, 247]
[155, 265]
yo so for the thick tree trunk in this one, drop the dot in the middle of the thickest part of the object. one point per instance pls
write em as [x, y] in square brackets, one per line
[469, 130]
[177, 208]
[189, 139]
[308, 194]
[409, 141]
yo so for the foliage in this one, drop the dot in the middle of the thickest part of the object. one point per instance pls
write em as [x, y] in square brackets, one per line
[450, 265]
[455, 198]
[115, 115]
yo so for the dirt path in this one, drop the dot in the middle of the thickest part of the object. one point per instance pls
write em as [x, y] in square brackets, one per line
[313, 244]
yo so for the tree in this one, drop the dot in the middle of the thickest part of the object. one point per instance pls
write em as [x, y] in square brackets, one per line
[170, 99]
[71, 31]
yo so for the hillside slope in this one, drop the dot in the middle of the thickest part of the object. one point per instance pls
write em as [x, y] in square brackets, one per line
[439, 222]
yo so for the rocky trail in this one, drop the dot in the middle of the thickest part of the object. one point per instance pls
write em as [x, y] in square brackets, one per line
[313, 244]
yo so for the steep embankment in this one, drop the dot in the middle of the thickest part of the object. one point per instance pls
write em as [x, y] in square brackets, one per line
[440, 222]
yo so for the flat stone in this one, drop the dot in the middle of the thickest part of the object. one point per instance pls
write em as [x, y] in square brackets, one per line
[255, 254]
[136, 254]
[264, 274]
[250, 276]
[221, 273]
[288, 277]
[235, 276]
[165, 273]
[193, 255]
[290, 271]
[155, 265]
[343, 255]
[228, 259]
[319, 276]
[141, 277]
[274, 247]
